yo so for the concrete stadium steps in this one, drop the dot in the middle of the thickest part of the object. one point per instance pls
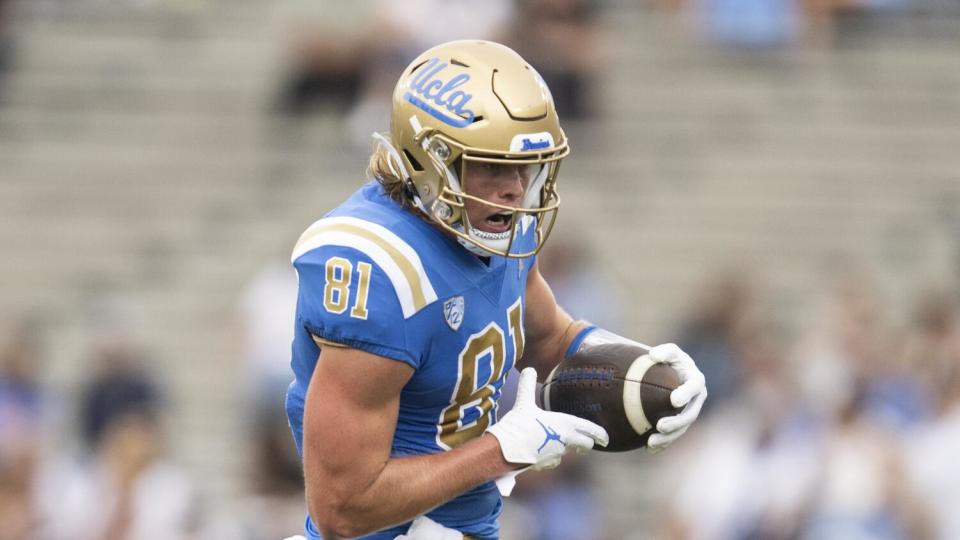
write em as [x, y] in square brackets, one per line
[166, 208]
[149, 19]
[137, 88]
[81, 52]
[125, 130]
[800, 164]
[129, 141]
[784, 157]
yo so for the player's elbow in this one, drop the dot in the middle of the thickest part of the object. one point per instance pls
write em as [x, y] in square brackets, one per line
[336, 515]
[340, 527]
[337, 523]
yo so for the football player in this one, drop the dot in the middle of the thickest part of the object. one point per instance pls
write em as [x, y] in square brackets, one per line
[419, 294]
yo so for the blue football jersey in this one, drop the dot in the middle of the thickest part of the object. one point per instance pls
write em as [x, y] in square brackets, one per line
[376, 277]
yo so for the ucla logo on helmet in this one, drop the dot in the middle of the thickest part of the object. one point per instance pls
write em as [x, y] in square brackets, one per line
[453, 309]
[441, 98]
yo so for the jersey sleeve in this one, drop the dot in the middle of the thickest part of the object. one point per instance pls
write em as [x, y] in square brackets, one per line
[361, 286]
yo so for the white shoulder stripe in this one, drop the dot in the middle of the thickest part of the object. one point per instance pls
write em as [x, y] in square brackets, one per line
[390, 252]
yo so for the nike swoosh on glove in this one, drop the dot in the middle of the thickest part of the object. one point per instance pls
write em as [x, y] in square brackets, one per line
[529, 435]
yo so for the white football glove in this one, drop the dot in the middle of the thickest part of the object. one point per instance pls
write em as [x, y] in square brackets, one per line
[532, 436]
[690, 395]
[424, 528]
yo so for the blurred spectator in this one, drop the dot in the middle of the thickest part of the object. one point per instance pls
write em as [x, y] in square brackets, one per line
[845, 338]
[848, 22]
[124, 488]
[121, 386]
[750, 24]
[722, 311]
[931, 450]
[5, 38]
[861, 487]
[275, 505]
[852, 372]
[266, 320]
[811, 449]
[931, 345]
[340, 69]
[854, 348]
[265, 314]
[753, 23]
[556, 505]
[900, 385]
[326, 71]
[20, 437]
[757, 453]
[560, 40]
[777, 24]
[126, 491]
[6, 41]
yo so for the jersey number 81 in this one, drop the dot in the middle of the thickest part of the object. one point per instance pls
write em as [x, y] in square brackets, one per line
[490, 343]
[336, 291]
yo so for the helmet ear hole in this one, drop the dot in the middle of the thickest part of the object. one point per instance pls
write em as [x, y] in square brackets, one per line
[413, 161]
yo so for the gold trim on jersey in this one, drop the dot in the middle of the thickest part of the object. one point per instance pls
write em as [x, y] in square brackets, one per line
[394, 256]
[322, 342]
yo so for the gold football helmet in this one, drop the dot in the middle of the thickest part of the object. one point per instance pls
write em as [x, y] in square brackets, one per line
[476, 101]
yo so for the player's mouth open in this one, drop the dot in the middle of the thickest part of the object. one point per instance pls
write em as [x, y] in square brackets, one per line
[498, 222]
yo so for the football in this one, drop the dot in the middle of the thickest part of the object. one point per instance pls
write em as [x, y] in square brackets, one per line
[617, 386]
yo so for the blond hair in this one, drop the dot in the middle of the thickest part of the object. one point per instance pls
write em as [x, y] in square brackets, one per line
[379, 168]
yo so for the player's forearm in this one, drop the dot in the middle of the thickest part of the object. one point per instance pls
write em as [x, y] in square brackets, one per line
[407, 487]
[547, 350]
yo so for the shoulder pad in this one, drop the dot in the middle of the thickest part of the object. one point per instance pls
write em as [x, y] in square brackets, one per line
[398, 260]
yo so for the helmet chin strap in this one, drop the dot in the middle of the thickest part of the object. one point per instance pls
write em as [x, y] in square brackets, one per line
[484, 243]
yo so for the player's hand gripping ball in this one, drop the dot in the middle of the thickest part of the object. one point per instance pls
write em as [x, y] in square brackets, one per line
[617, 386]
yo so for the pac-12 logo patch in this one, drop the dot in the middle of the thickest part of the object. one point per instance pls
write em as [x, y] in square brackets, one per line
[453, 312]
